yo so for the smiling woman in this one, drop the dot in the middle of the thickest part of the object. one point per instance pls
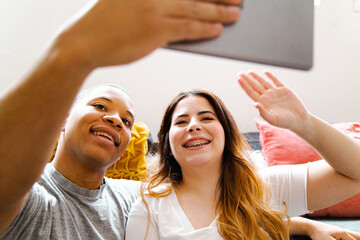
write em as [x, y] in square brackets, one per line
[203, 160]
[205, 186]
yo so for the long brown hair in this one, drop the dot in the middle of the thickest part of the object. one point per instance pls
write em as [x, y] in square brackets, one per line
[243, 204]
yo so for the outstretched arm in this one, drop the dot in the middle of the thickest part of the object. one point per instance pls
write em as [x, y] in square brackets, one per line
[105, 33]
[320, 231]
[279, 106]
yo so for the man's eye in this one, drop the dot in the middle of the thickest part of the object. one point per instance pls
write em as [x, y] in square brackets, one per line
[126, 122]
[100, 106]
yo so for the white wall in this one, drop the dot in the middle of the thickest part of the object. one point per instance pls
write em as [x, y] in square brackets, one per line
[330, 89]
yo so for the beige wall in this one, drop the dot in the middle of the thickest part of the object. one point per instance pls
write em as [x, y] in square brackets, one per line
[330, 89]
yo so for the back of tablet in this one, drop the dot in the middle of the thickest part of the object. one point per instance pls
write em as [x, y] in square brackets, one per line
[276, 32]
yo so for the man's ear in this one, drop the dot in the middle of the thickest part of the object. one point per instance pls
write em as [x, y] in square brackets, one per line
[64, 124]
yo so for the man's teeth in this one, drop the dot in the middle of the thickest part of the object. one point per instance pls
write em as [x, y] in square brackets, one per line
[105, 135]
[197, 143]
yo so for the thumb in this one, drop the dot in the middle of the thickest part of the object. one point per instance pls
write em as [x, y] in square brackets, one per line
[264, 113]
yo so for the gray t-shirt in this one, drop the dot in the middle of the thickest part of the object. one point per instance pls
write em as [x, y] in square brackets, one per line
[58, 209]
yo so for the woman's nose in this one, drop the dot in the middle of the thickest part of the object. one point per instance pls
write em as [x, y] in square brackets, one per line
[192, 129]
[194, 126]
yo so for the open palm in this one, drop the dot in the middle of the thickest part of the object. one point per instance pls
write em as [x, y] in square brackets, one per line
[276, 103]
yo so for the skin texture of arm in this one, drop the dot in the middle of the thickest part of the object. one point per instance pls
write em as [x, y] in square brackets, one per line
[328, 183]
[320, 231]
[105, 33]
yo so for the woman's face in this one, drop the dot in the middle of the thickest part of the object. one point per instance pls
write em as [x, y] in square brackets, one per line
[196, 135]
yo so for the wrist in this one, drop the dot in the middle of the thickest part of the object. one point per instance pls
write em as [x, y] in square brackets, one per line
[301, 226]
[309, 228]
[67, 56]
[306, 127]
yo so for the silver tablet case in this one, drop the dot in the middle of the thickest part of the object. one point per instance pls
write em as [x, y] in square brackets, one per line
[276, 32]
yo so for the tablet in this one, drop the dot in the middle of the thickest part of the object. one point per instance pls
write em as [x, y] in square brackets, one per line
[276, 32]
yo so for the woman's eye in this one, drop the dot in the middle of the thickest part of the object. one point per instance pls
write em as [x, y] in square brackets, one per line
[180, 122]
[207, 118]
[100, 106]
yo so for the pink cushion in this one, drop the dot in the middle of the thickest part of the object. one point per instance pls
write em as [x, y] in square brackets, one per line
[281, 146]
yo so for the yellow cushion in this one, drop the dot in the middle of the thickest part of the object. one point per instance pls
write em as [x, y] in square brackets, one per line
[132, 163]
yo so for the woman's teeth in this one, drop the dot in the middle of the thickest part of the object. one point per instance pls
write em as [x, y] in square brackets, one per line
[197, 143]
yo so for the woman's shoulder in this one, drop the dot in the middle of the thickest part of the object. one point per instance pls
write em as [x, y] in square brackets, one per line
[157, 196]
[163, 191]
[162, 188]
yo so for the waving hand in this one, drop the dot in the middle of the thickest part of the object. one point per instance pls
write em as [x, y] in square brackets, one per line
[276, 103]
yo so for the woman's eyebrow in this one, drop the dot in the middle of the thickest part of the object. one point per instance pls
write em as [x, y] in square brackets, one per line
[206, 112]
[199, 113]
[181, 115]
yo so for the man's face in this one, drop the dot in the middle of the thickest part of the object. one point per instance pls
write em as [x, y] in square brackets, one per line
[98, 128]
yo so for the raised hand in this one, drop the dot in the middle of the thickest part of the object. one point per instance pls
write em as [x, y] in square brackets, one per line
[113, 32]
[276, 103]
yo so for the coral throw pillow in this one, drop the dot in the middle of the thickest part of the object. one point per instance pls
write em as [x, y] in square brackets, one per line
[281, 146]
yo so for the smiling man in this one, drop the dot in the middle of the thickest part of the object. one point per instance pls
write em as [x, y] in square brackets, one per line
[95, 135]
[70, 198]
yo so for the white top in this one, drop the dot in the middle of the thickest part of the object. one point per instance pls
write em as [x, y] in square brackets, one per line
[288, 184]
[169, 222]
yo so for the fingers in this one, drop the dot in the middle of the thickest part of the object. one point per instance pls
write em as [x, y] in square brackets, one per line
[178, 29]
[259, 84]
[253, 94]
[188, 20]
[228, 2]
[274, 79]
[347, 236]
[200, 10]
[265, 84]
[256, 85]
[343, 234]
[264, 113]
[355, 235]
